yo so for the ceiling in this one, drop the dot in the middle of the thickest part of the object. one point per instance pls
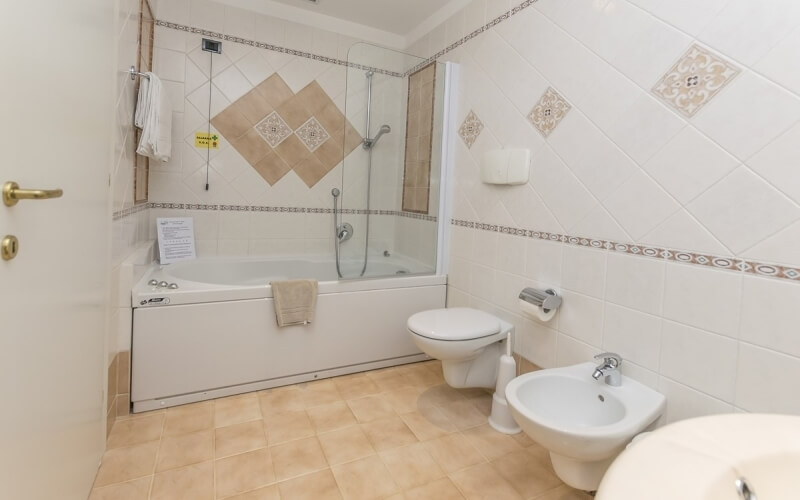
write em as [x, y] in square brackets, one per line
[395, 16]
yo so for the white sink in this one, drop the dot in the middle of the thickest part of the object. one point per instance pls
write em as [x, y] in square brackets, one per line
[702, 458]
[584, 423]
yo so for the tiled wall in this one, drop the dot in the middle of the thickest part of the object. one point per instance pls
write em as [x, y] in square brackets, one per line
[130, 221]
[663, 191]
[282, 156]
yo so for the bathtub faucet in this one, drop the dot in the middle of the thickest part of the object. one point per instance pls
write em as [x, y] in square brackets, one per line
[609, 368]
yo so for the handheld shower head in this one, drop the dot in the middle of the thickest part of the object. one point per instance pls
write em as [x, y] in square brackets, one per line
[370, 143]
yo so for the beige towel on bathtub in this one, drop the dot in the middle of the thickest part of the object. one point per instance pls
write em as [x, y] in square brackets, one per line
[295, 301]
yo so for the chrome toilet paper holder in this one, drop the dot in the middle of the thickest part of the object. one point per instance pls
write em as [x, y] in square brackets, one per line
[548, 299]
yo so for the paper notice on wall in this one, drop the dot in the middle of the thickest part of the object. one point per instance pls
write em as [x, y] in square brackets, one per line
[175, 239]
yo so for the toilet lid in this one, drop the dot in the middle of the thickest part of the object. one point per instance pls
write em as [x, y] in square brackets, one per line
[457, 323]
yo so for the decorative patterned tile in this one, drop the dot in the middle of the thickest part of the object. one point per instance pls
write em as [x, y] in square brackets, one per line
[273, 129]
[312, 134]
[470, 129]
[694, 80]
[549, 111]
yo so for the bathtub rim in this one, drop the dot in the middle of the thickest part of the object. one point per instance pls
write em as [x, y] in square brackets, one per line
[193, 292]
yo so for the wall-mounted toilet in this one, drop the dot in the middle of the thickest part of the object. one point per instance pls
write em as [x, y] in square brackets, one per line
[469, 343]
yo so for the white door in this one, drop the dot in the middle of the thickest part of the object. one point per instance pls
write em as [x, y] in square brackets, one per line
[56, 87]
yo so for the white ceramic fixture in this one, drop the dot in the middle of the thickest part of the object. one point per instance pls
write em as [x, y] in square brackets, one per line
[584, 423]
[469, 343]
[719, 457]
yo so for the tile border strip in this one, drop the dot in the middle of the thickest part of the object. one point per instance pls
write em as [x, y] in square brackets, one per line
[275, 48]
[258, 208]
[461, 41]
[693, 258]
[121, 214]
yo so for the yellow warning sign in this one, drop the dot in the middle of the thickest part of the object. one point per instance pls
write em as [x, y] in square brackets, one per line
[206, 141]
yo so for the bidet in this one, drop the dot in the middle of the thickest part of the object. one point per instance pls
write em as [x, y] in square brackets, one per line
[584, 423]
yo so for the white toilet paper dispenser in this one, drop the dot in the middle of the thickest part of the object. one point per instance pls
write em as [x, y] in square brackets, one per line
[548, 300]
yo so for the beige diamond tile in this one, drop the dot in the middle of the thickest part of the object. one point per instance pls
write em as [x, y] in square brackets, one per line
[549, 111]
[312, 134]
[694, 80]
[470, 129]
[273, 129]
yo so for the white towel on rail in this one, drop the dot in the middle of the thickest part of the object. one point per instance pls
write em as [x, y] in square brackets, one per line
[154, 117]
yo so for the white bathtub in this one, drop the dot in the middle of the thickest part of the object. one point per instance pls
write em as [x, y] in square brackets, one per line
[216, 335]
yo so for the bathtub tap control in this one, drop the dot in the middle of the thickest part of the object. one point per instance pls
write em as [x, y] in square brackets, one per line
[173, 286]
[153, 282]
[163, 284]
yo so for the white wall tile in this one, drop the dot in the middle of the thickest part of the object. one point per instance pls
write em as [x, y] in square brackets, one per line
[570, 351]
[644, 128]
[768, 382]
[543, 262]
[584, 270]
[681, 231]
[699, 359]
[635, 282]
[705, 298]
[777, 163]
[581, 317]
[742, 210]
[689, 164]
[742, 129]
[746, 30]
[640, 205]
[769, 314]
[684, 402]
[634, 335]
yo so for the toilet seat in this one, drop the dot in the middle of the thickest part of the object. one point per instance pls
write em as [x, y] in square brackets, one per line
[454, 324]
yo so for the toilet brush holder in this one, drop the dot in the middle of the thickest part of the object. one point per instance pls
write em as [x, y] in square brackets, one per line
[501, 419]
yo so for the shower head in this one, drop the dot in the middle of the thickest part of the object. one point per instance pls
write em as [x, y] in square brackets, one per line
[370, 143]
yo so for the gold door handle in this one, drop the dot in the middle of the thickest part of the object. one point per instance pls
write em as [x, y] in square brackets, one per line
[12, 194]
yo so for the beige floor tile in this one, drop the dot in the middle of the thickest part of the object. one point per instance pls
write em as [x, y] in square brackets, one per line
[411, 466]
[266, 493]
[483, 403]
[370, 408]
[364, 479]
[322, 392]
[195, 482]
[136, 431]
[297, 457]
[185, 449]
[236, 409]
[288, 426]
[189, 418]
[138, 489]
[453, 452]
[281, 400]
[524, 440]
[564, 493]
[356, 386]
[245, 472]
[482, 482]
[239, 438]
[441, 489]
[424, 377]
[529, 473]
[388, 433]
[391, 382]
[124, 464]
[438, 395]
[345, 445]
[331, 416]
[404, 399]
[317, 486]
[428, 423]
[463, 414]
[490, 443]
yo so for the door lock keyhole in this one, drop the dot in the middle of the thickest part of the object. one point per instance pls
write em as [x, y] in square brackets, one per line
[9, 247]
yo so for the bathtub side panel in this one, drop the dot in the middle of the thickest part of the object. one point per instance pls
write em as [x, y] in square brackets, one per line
[184, 349]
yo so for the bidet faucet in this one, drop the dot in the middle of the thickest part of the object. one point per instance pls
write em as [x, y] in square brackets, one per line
[609, 368]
